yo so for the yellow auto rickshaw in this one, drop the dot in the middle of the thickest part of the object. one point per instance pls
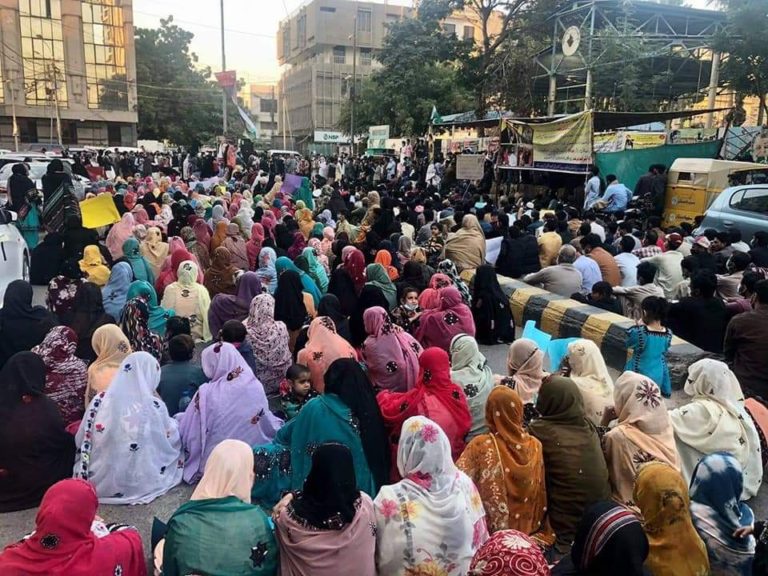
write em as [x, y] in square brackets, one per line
[694, 183]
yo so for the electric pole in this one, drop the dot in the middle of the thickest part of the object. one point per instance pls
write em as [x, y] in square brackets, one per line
[352, 92]
[223, 69]
[55, 96]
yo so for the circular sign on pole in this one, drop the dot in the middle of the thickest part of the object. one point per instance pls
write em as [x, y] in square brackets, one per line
[571, 40]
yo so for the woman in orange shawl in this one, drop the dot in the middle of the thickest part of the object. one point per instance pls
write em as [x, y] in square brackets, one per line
[219, 235]
[306, 222]
[507, 466]
[323, 348]
[384, 258]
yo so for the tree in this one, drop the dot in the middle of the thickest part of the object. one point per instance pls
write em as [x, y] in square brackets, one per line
[420, 69]
[176, 100]
[745, 68]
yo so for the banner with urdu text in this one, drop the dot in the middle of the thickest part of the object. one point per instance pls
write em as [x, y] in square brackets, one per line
[563, 145]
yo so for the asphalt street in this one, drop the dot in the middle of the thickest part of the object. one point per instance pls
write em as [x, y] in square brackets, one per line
[15, 525]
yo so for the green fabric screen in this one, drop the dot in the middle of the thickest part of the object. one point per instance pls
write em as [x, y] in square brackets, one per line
[630, 165]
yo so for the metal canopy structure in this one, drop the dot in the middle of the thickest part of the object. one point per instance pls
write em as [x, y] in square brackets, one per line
[670, 44]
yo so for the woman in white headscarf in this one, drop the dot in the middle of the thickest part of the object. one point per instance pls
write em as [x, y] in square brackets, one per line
[589, 372]
[470, 370]
[154, 250]
[432, 521]
[129, 447]
[716, 421]
[189, 299]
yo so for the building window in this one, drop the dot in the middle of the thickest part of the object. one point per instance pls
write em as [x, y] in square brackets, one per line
[329, 9]
[301, 31]
[42, 49]
[114, 134]
[287, 41]
[268, 105]
[366, 58]
[69, 132]
[449, 28]
[339, 54]
[104, 45]
[469, 33]
[364, 21]
[28, 130]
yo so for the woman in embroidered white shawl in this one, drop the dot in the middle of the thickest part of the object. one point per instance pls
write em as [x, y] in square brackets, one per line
[432, 521]
[716, 421]
[129, 447]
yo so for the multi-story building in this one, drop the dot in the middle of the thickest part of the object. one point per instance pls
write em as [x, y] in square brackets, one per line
[317, 45]
[68, 71]
[261, 102]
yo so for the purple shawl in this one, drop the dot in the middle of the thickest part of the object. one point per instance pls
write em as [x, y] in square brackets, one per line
[231, 406]
[228, 307]
[389, 352]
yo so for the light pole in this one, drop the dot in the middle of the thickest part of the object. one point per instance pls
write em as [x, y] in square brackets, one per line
[54, 77]
[223, 68]
[352, 91]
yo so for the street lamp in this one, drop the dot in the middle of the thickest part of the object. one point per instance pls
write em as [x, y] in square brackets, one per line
[53, 72]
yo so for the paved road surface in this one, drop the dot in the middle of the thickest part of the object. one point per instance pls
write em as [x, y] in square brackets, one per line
[15, 525]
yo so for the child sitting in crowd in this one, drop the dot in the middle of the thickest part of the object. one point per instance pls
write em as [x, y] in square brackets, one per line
[181, 378]
[407, 313]
[295, 391]
[235, 333]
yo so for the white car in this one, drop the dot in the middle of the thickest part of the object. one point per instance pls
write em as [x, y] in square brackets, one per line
[14, 253]
[36, 171]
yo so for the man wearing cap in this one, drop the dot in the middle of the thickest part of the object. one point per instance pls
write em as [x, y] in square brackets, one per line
[700, 250]
[670, 273]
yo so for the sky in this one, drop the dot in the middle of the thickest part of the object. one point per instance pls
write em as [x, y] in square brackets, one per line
[250, 30]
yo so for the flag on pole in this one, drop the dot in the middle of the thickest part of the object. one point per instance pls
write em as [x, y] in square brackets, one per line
[435, 118]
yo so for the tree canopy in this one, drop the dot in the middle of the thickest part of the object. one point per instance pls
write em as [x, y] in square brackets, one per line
[177, 100]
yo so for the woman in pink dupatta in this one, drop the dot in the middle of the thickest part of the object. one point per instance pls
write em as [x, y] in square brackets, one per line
[119, 233]
[391, 354]
[253, 246]
[232, 405]
[438, 327]
[326, 528]
[269, 223]
[202, 233]
[323, 348]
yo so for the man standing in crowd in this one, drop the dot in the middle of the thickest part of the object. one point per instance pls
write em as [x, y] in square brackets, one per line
[746, 344]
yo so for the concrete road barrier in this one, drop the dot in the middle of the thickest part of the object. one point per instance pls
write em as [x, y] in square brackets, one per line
[565, 318]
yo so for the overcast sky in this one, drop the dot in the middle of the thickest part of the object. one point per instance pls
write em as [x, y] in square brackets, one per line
[250, 25]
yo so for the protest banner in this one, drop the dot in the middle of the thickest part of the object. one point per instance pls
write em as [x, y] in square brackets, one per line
[99, 211]
[470, 166]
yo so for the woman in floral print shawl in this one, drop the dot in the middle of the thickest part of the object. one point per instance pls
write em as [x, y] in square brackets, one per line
[432, 521]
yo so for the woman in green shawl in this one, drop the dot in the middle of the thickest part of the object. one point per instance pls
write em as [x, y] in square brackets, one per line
[219, 531]
[284, 263]
[304, 193]
[158, 315]
[577, 475]
[140, 267]
[316, 269]
[346, 413]
[376, 275]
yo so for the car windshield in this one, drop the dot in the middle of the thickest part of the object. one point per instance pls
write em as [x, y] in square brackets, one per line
[36, 170]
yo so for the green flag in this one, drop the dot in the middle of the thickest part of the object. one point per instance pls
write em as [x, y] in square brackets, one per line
[435, 118]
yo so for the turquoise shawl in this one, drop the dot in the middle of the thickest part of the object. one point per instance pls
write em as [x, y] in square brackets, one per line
[285, 463]
[158, 315]
[220, 536]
